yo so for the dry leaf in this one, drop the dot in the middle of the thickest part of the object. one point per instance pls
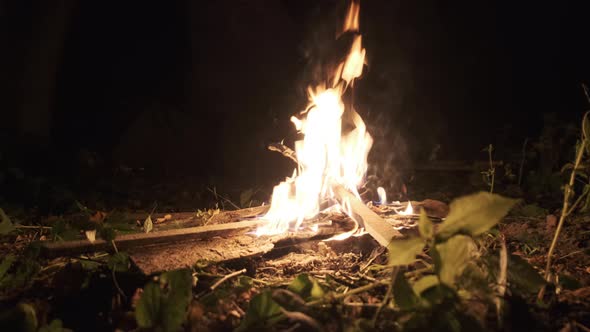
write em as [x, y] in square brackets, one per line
[166, 217]
[148, 225]
[91, 235]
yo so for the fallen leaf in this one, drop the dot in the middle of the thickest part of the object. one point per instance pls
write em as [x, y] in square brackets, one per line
[164, 218]
[148, 225]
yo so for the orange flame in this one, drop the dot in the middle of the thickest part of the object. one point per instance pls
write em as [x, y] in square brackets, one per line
[408, 211]
[351, 23]
[325, 155]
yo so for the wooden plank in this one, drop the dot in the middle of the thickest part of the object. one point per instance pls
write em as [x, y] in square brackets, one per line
[124, 242]
[169, 256]
[379, 229]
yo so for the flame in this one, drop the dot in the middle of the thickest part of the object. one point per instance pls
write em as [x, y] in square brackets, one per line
[326, 156]
[408, 211]
[382, 196]
[351, 23]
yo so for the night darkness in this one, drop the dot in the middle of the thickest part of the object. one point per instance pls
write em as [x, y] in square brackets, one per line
[136, 179]
[200, 89]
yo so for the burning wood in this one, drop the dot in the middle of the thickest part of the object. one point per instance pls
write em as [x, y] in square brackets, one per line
[369, 220]
[332, 156]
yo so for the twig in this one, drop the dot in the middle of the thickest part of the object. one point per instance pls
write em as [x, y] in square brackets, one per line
[570, 254]
[502, 277]
[575, 205]
[32, 227]
[225, 278]
[301, 317]
[526, 140]
[352, 292]
[585, 88]
[374, 254]
[394, 272]
[581, 327]
[117, 283]
[225, 199]
[114, 246]
[284, 150]
[566, 201]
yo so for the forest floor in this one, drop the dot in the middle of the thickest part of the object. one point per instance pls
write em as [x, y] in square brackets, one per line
[346, 285]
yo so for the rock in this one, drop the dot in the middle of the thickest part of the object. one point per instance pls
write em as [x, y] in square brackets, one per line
[435, 208]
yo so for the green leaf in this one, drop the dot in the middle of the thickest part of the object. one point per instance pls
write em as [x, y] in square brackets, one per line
[301, 285]
[475, 214]
[147, 312]
[403, 294]
[404, 251]
[58, 227]
[148, 225]
[21, 317]
[30, 316]
[119, 262]
[6, 225]
[179, 285]
[425, 283]
[523, 276]
[164, 305]
[89, 265]
[453, 256]
[425, 226]
[6, 264]
[26, 269]
[55, 326]
[263, 312]
[108, 234]
[307, 287]
[316, 291]
[83, 208]
[569, 282]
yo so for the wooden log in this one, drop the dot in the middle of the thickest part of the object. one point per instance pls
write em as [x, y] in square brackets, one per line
[124, 242]
[169, 256]
[379, 229]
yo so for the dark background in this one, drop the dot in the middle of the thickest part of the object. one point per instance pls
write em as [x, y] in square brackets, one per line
[199, 88]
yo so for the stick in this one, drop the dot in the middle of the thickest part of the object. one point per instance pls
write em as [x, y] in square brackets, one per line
[568, 192]
[379, 229]
[124, 242]
[225, 278]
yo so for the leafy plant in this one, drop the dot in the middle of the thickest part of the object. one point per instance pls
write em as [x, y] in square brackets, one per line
[490, 174]
[6, 225]
[263, 312]
[163, 303]
[578, 172]
[453, 248]
[19, 272]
